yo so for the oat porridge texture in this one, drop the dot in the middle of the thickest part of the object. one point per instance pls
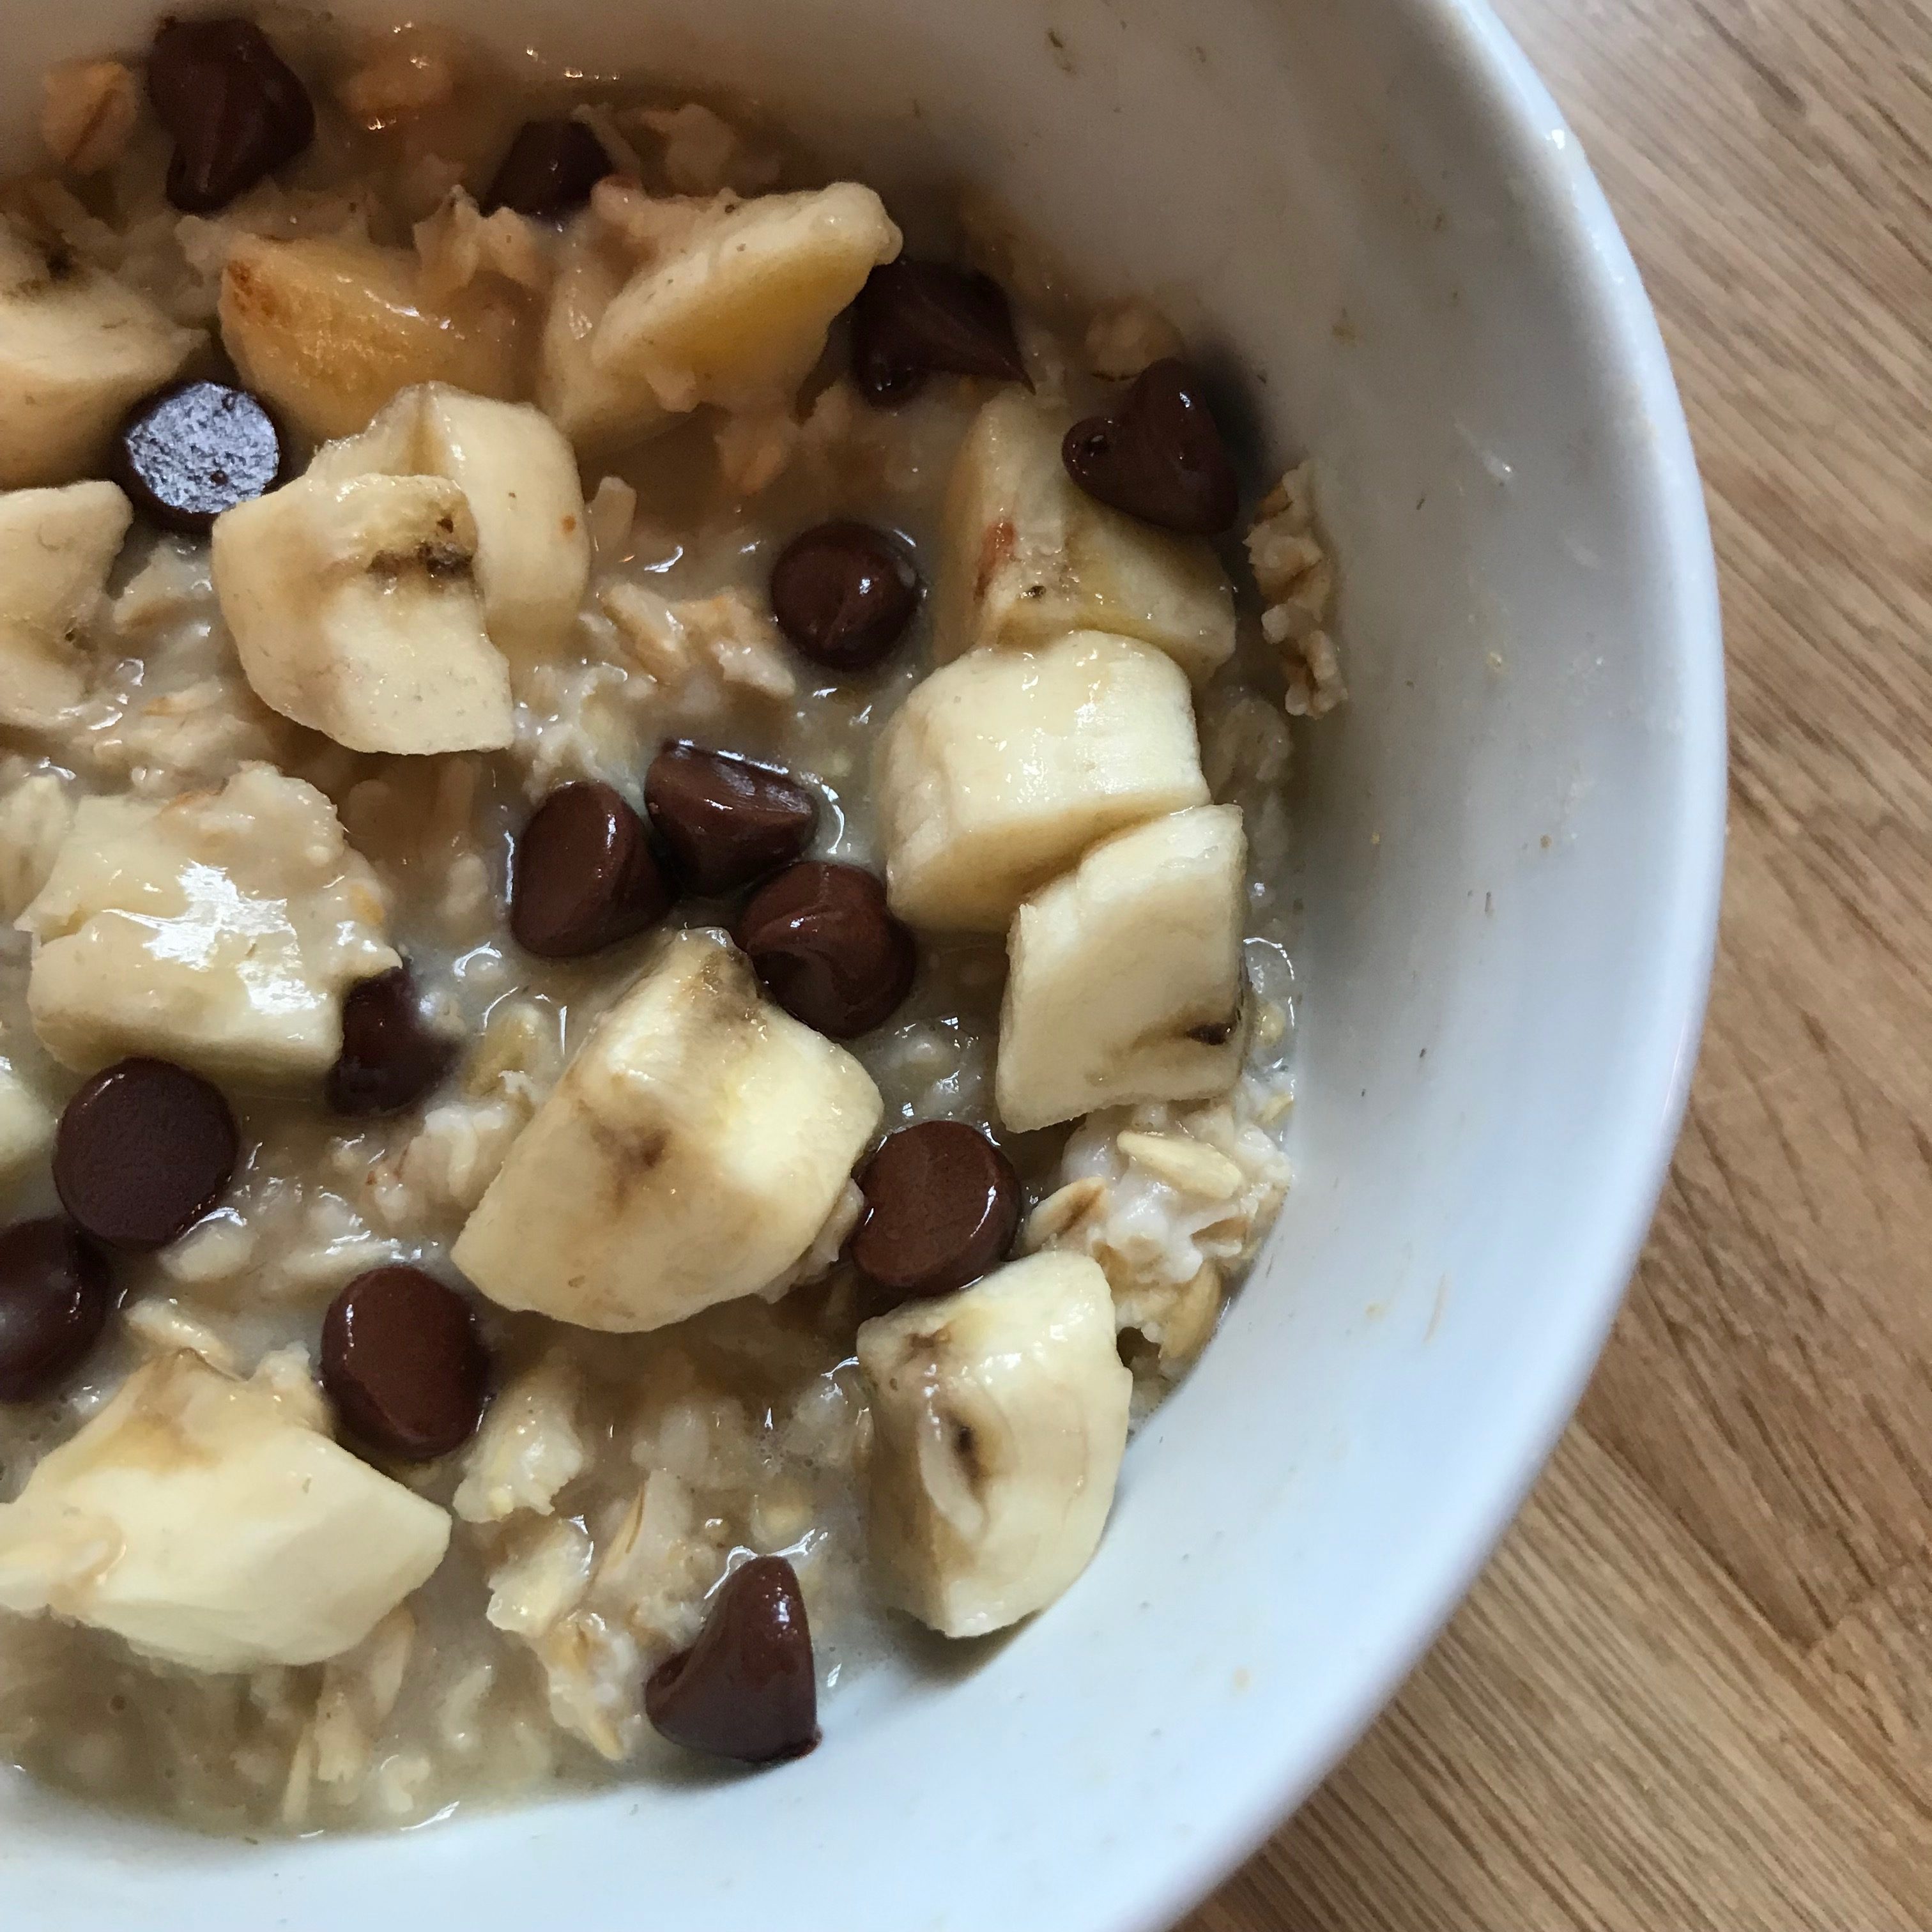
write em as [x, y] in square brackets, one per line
[470, 1284]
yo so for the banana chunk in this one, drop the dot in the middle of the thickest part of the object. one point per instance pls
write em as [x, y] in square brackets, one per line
[1126, 975]
[219, 930]
[77, 349]
[1027, 555]
[1001, 769]
[211, 1522]
[999, 1417]
[56, 548]
[356, 610]
[731, 306]
[327, 330]
[518, 476]
[26, 1125]
[692, 1151]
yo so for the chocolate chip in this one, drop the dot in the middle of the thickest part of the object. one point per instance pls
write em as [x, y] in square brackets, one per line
[389, 1056]
[723, 820]
[1159, 457]
[235, 108]
[914, 318]
[826, 948]
[142, 1151]
[584, 876]
[194, 450]
[843, 594]
[55, 1293]
[403, 1364]
[746, 1688]
[1215, 1032]
[551, 168]
[942, 1207]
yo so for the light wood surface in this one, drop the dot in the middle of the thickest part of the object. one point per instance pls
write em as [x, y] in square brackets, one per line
[1695, 1689]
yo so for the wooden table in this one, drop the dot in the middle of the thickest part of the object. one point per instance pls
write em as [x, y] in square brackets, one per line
[1695, 1689]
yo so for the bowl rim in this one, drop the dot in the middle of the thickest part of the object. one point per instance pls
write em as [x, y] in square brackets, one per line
[1562, 197]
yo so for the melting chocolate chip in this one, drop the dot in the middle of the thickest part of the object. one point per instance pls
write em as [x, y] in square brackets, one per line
[746, 1689]
[942, 1208]
[389, 1057]
[826, 948]
[190, 452]
[843, 594]
[234, 107]
[55, 1294]
[913, 319]
[725, 821]
[403, 1364]
[584, 876]
[550, 168]
[142, 1151]
[1159, 457]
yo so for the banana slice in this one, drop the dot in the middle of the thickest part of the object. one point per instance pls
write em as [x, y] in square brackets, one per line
[999, 1418]
[1126, 976]
[1027, 555]
[732, 308]
[1000, 770]
[519, 477]
[596, 411]
[56, 548]
[221, 930]
[355, 611]
[26, 1125]
[211, 1523]
[327, 330]
[77, 349]
[691, 1153]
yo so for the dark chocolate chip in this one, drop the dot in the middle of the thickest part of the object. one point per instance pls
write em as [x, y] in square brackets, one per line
[234, 107]
[843, 594]
[746, 1688]
[403, 1364]
[914, 318]
[194, 450]
[1215, 1032]
[389, 1057]
[142, 1151]
[1159, 457]
[942, 1208]
[55, 1294]
[724, 821]
[550, 168]
[584, 876]
[826, 948]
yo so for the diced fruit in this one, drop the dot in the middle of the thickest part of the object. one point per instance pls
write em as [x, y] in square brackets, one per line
[26, 1125]
[1027, 556]
[1126, 977]
[211, 1523]
[219, 930]
[732, 308]
[77, 349]
[327, 330]
[355, 611]
[692, 1150]
[737, 315]
[1000, 770]
[519, 477]
[56, 548]
[595, 410]
[999, 1417]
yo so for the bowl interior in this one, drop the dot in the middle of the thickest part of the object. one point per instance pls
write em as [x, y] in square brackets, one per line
[1372, 221]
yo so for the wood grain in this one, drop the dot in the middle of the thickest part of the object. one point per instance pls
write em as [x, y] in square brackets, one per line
[1695, 1689]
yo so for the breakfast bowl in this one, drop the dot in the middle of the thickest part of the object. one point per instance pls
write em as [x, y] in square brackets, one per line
[1387, 256]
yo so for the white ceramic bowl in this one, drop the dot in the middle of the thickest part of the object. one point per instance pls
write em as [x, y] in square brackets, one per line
[1374, 214]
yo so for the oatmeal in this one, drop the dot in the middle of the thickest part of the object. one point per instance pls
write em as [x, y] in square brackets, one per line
[643, 1003]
